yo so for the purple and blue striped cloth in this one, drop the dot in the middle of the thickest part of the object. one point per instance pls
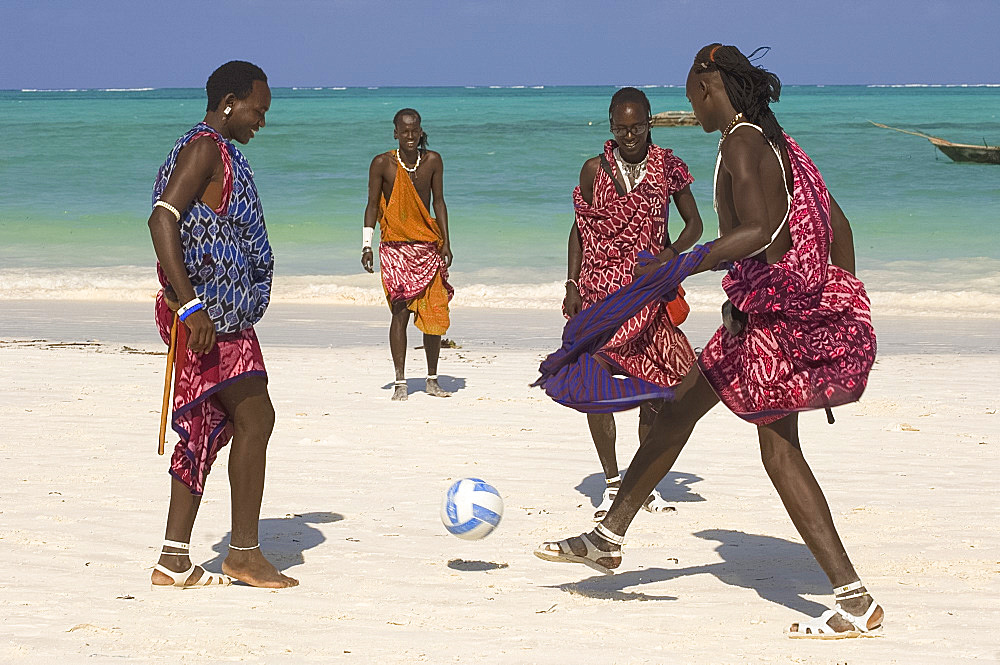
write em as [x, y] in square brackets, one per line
[573, 377]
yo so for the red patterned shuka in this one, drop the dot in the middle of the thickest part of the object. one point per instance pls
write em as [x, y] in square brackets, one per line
[198, 418]
[613, 230]
[808, 342]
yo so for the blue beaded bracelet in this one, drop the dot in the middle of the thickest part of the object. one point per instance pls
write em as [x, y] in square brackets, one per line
[193, 308]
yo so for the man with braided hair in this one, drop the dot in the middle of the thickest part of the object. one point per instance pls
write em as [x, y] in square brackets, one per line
[796, 331]
[622, 207]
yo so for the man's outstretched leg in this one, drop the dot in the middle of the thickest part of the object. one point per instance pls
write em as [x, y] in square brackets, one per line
[432, 349]
[249, 407]
[655, 457]
[397, 347]
[803, 499]
[648, 411]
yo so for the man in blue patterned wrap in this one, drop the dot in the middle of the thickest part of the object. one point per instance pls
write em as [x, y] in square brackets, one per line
[215, 266]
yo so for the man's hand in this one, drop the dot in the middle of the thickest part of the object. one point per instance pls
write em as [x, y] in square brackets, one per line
[446, 254]
[645, 265]
[201, 331]
[368, 259]
[572, 303]
[645, 268]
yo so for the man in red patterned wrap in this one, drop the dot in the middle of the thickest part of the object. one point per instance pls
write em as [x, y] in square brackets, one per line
[796, 332]
[622, 206]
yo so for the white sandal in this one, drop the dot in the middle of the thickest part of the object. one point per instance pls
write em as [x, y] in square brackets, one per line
[609, 498]
[657, 504]
[180, 579]
[561, 551]
[818, 628]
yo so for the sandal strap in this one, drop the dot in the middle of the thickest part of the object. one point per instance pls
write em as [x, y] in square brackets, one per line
[178, 577]
[593, 549]
[860, 623]
[853, 586]
[608, 535]
[177, 544]
[616, 479]
[817, 625]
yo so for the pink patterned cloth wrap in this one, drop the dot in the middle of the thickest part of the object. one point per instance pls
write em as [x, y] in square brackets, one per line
[408, 268]
[808, 341]
[613, 230]
[198, 417]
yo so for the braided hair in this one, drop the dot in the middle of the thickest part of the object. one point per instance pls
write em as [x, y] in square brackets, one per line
[750, 88]
[630, 95]
[422, 143]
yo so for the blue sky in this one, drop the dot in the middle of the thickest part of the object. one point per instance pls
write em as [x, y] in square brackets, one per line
[177, 43]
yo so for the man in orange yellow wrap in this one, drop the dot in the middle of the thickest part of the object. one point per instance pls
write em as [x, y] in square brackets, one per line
[414, 249]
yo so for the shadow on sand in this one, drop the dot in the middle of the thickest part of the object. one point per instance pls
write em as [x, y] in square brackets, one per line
[778, 570]
[450, 384]
[283, 540]
[675, 487]
[468, 565]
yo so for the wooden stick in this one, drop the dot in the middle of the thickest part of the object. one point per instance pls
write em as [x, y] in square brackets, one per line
[165, 411]
[905, 131]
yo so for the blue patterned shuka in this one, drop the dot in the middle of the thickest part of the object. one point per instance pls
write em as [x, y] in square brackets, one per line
[226, 252]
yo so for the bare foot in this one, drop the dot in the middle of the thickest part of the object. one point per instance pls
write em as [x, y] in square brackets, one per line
[252, 568]
[434, 390]
[399, 392]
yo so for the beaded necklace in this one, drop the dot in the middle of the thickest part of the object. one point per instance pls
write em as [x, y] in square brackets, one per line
[631, 171]
[736, 120]
[405, 167]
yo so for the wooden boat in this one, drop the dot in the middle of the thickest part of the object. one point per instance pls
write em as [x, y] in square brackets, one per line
[675, 119]
[959, 152]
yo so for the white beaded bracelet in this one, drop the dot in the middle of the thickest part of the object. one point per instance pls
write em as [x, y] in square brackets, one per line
[188, 305]
[366, 237]
[170, 208]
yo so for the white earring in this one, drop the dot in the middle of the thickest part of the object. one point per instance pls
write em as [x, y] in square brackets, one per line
[229, 109]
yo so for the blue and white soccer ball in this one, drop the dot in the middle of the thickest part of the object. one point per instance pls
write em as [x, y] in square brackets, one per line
[471, 509]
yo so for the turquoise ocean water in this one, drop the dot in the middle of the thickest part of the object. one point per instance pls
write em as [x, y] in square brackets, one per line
[76, 168]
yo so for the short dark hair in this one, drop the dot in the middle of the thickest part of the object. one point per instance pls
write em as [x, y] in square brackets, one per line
[237, 77]
[750, 88]
[422, 144]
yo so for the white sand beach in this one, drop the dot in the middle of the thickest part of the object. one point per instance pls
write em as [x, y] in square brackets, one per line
[355, 483]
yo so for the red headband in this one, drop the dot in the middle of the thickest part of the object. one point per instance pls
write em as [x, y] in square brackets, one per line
[711, 55]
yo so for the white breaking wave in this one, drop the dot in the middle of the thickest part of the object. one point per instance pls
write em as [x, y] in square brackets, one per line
[893, 292]
[934, 85]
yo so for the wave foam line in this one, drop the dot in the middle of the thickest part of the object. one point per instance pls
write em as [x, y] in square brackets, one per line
[135, 284]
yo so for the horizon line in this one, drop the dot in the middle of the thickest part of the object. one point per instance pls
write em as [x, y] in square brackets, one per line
[495, 86]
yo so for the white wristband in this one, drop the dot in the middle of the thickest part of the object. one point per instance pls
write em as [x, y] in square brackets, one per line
[366, 237]
[188, 305]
